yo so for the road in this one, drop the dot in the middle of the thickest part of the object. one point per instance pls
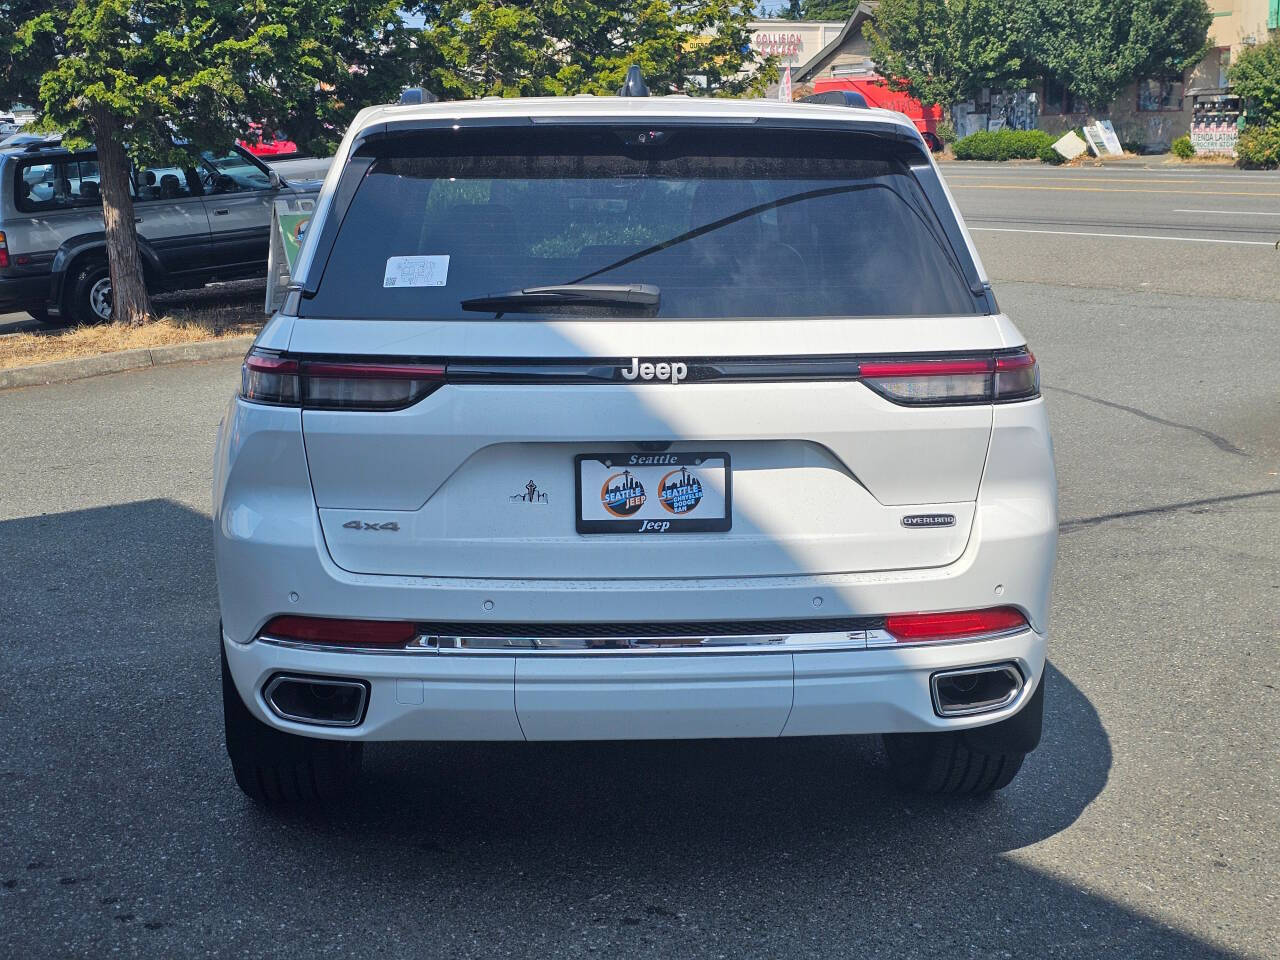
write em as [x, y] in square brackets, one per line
[17, 323]
[1145, 826]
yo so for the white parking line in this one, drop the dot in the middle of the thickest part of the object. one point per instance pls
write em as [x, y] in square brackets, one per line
[1234, 213]
[1125, 236]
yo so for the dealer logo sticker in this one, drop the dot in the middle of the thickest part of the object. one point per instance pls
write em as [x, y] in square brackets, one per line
[680, 492]
[622, 494]
[929, 520]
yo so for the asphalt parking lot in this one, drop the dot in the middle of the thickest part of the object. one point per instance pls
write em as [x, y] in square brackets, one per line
[1147, 824]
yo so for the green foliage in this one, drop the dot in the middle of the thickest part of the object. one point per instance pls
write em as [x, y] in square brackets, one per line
[944, 51]
[946, 131]
[1003, 145]
[201, 69]
[1049, 155]
[560, 47]
[1182, 148]
[1256, 76]
[1259, 147]
[1097, 47]
[828, 9]
[338, 56]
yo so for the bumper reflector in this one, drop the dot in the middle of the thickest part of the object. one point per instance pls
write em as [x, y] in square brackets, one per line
[341, 633]
[954, 625]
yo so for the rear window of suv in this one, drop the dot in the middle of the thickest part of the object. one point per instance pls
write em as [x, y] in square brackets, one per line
[723, 221]
[57, 183]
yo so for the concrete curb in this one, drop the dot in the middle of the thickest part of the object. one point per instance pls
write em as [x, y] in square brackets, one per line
[1157, 162]
[80, 367]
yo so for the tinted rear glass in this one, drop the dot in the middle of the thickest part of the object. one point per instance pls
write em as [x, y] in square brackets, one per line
[58, 183]
[725, 222]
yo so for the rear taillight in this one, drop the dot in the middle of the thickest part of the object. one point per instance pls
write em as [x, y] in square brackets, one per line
[1017, 376]
[4, 251]
[988, 379]
[328, 631]
[954, 625]
[266, 379]
[317, 385]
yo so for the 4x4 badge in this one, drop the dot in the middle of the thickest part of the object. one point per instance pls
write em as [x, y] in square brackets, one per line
[390, 525]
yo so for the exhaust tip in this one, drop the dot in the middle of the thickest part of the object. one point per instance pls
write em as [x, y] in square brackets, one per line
[321, 701]
[962, 693]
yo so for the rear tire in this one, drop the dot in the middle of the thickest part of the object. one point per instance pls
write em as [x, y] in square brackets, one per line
[966, 762]
[941, 763]
[89, 294]
[280, 769]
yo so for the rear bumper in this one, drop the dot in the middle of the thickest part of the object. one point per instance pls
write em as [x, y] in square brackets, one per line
[461, 696]
[24, 292]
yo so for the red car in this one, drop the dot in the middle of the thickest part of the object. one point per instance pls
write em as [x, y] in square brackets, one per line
[264, 145]
[877, 94]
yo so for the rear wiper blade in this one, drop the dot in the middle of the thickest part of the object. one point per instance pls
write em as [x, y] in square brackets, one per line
[605, 295]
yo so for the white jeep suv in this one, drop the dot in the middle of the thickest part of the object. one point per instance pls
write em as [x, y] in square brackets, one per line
[634, 417]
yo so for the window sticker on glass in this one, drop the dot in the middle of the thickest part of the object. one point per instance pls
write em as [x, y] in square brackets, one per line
[416, 271]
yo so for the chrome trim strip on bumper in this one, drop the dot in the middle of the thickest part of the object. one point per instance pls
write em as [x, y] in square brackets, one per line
[757, 643]
[875, 639]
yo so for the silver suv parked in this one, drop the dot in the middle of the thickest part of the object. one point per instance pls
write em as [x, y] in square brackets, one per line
[196, 224]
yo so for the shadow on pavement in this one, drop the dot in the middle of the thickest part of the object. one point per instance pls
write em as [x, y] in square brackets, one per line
[120, 824]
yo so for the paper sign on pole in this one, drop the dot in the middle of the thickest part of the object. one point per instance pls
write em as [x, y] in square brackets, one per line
[290, 217]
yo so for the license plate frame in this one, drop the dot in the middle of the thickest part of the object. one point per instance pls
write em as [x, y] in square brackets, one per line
[657, 514]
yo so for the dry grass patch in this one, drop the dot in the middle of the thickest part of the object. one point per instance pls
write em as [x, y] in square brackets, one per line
[1216, 159]
[215, 313]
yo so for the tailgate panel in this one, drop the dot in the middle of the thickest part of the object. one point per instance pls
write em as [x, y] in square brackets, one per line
[823, 474]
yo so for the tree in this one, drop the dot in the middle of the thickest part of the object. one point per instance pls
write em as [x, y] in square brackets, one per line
[821, 9]
[341, 56]
[944, 51]
[561, 47]
[136, 77]
[1256, 76]
[1098, 47]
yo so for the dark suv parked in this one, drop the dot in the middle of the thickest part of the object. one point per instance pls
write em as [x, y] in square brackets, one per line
[196, 224]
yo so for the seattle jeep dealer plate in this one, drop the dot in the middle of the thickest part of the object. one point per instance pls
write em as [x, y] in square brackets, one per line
[631, 492]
